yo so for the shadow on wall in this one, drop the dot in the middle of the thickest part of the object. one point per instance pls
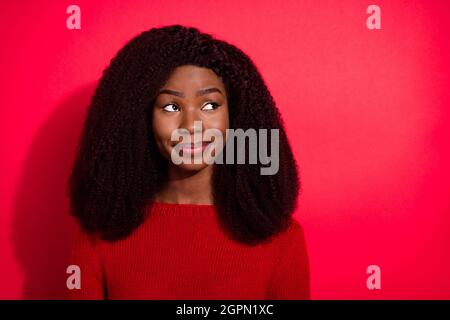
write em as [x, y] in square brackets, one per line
[42, 227]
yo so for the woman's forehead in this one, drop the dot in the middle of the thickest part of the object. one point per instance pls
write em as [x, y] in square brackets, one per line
[187, 79]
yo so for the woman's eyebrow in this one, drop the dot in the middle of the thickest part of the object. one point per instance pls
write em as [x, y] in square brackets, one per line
[181, 94]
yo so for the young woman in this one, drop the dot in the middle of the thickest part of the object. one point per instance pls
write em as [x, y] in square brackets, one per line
[151, 228]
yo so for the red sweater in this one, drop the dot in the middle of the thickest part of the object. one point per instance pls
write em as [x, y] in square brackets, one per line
[181, 252]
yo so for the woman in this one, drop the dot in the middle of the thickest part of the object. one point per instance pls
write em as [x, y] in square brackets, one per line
[153, 228]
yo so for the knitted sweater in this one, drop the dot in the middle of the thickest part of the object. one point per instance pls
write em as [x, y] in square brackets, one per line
[181, 252]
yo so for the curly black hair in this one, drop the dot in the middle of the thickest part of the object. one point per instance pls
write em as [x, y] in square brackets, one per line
[118, 168]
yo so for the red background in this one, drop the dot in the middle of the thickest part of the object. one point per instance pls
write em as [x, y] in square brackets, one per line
[366, 112]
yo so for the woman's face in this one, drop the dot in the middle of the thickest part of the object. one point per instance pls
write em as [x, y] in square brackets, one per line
[191, 94]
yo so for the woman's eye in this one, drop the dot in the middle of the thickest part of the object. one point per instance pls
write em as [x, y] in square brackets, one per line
[171, 108]
[210, 106]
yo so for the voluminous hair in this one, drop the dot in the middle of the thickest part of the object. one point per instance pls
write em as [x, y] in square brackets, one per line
[118, 168]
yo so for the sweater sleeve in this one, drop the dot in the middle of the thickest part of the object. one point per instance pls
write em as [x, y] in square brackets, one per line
[290, 279]
[84, 255]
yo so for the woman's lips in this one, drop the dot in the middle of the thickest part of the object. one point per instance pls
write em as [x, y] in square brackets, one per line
[193, 147]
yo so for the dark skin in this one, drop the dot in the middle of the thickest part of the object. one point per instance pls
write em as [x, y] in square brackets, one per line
[191, 94]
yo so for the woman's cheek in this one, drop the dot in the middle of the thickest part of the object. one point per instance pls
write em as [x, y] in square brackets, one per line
[220, 122]
[160, 134]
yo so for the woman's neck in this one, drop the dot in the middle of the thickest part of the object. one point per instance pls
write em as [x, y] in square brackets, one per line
[187, 187]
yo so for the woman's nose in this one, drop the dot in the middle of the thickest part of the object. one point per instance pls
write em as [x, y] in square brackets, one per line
[191, 121]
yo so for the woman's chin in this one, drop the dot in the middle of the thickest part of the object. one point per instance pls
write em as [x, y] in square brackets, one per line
[192, 167]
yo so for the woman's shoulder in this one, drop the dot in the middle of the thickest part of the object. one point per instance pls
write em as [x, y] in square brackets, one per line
[294, 229]
[293, 232]
[83, 237]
